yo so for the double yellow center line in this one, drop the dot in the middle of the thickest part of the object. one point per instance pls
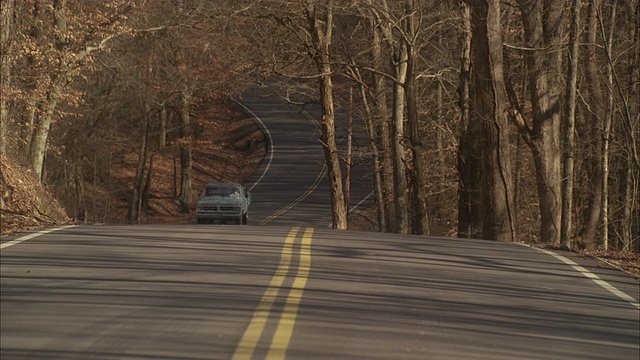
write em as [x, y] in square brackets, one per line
[295, 202]
[282, 336]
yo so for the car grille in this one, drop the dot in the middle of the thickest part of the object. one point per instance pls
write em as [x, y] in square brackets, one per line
[221, 209]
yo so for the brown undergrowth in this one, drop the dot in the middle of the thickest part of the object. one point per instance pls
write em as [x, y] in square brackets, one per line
[227, 147]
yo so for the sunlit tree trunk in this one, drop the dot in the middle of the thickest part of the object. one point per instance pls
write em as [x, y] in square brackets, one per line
[398, 143]
[38, 143]
[321, 28]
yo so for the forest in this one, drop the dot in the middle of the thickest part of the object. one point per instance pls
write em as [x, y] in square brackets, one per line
[512, 120]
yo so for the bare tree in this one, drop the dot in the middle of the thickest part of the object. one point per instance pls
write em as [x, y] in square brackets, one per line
[469, 150]
[569, 130]
[320, 19]
[488, 105]
[391, 30]
[97, 29]
[594, 113]
[543, 33]
[417, 172]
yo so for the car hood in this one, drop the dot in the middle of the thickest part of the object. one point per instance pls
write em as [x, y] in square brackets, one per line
[219, 200]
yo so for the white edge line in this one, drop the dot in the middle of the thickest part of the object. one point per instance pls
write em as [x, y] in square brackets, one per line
[270, 146]
[31, 236]
[595, 278]
[354, 209]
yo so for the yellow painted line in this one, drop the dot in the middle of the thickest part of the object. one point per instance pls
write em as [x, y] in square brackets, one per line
[252, 334]
[300, 198]
[282, 336]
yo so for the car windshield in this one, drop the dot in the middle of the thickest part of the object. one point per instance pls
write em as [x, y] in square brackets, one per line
[221, 191]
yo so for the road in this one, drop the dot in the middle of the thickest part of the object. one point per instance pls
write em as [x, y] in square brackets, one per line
[291, 186]
[195, 292]
[289, 286]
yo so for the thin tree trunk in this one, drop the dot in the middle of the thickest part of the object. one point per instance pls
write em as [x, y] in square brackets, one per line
[399, 159]
[78, 182]
[146, 191]
[399, 65]
[607, 131]
[420, 223]
[384, 136]
[133, 216]
[469, 194]
[375, 155]
[186, 157]
[348, 155]
[630, 203]
[569, 130]
[162, 137]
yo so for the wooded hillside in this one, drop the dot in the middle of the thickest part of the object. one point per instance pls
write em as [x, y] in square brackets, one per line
[508, 120]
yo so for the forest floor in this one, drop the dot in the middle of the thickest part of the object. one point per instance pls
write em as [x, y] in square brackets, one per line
[229, 147]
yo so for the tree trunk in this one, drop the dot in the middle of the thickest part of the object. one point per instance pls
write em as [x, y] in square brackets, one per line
[162, 136]
[38, 143]
[321, 30]
[399, 159]
[7, 28]
[78, 182]
[376, 167]
[420, 223]
[488, 94]
[186, 158]
[469, 169]
[606, 128]
[595, 113]
[384, 136]
[569, 129]
[348, 156]
[146, 191]
[545, 136]
[133, 216]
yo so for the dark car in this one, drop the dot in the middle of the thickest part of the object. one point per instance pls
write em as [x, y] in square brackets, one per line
[224, 202]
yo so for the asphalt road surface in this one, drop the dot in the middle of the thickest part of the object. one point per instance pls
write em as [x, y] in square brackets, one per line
[291, 186]
[287, 286]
